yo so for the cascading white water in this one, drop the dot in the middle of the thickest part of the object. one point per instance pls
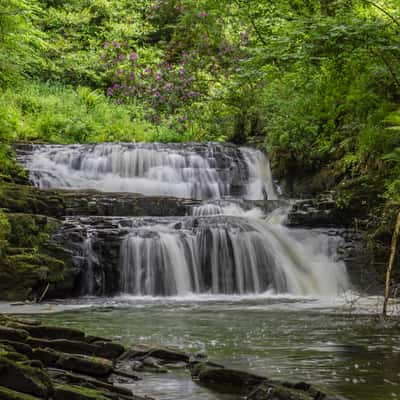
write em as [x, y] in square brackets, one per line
[225, 246]
[197, 171]
[226, 255]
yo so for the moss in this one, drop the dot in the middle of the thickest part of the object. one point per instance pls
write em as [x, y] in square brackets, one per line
[10, 353]
[30, 230]
[30, 260]
[24, 378]
[28, 199]
[8, 394]
[4, 232]
[73, 392]
[23, 276]
[10, 170]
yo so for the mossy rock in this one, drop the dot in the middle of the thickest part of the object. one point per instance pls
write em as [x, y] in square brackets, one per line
[23, 378]
[9, 352]
[30, 200]
[9, 394]
[92, 366]
[73, 392]
[24, 276]
[17, 335]
[31, 260]
[31, 230]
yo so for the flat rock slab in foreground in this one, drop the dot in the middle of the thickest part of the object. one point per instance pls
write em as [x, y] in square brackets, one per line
[55, 363]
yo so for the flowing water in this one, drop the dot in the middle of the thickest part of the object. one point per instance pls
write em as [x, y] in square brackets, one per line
[335, 342]
[228, 278]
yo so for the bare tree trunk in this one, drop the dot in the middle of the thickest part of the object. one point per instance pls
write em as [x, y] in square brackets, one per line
[391, 262]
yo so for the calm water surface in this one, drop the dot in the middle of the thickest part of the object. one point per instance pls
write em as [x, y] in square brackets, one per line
[334, 343]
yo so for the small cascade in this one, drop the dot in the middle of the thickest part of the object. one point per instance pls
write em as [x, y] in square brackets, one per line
[230, 239]
[90, 282]
[196, 171]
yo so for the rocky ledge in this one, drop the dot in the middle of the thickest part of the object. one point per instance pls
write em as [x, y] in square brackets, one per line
[56, 363]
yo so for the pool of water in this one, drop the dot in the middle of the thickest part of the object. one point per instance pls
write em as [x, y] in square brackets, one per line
[337, 343]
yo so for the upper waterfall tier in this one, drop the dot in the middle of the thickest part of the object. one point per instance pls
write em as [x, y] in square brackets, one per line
[190, 170]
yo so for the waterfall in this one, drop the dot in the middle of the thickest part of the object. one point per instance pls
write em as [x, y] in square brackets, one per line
[229, 241]
[197, 171]
[226, 255]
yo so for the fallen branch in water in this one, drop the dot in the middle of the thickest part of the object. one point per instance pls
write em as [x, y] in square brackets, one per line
[43, 294]
[391, 263]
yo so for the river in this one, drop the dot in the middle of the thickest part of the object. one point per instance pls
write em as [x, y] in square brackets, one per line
[334, 342]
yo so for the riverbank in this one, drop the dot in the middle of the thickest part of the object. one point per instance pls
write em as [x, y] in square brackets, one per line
[51, 362]
[338, 343]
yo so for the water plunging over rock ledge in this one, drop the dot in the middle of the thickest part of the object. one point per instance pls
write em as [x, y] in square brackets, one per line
[220, 233]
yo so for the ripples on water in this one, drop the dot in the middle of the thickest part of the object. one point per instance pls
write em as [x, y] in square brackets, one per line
[335, 342]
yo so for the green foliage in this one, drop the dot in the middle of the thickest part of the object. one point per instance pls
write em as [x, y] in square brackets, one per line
[315, 82]
[21, 41]
[56, 113]
[4, 232]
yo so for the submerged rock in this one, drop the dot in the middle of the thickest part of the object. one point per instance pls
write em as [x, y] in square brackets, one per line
[255, 387]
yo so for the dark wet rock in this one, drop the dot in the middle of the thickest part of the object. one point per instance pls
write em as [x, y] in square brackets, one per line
[62, 376]
[71, 392]
[8, 394]
[21, 348]
[207, 374]
[152, 364]
[91, 339]
[101, 349]
[54, 332]
[137, 365]
[47, 356]
[287, 391]
[176, 365]
[66, 346]
[25, 379]
[165, 355]
[321, 211]
[108, 349]
[92, 366]
[17, 335]
[256, 387]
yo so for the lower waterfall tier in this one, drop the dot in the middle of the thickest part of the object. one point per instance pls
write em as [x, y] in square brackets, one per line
[218, 254]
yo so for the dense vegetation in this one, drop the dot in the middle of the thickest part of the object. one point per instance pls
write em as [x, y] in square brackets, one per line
[314, 82]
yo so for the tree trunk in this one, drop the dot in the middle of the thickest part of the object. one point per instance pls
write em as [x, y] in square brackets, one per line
[391, 262]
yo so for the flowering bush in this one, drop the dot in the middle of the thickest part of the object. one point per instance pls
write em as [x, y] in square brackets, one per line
[193, 61]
